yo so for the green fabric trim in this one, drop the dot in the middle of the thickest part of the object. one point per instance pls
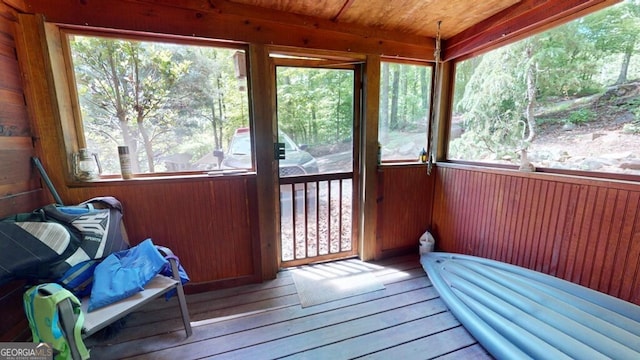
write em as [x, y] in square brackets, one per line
[41, 307]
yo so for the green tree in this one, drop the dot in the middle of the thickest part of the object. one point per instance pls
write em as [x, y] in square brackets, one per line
[464, 72]
[566, 59]
[395, 94]
[211, 98]
[123, 86]
[498, 91]
[615, 31]
[315, 106]
[404, 96]
[493, 105]
[384, 100]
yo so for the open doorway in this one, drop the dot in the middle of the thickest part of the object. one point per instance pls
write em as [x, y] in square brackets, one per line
[317, 109]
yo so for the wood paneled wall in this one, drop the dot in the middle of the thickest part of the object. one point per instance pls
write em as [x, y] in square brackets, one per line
[405, 195]
[20, 189]
[582, 230]
[19, 186]
[209, 222]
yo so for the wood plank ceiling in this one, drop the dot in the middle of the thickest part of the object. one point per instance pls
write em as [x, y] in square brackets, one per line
[405, 29]
[466, 26]
[416, 17]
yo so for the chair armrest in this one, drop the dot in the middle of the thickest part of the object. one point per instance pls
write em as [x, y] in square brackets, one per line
[165, 251]
[173, 261]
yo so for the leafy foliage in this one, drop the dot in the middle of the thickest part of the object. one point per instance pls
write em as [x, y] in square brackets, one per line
[159, 99]
[493, 91]
[493, 106]
[616, 31]
[581, 116]
[315, 106]
[565, 59]
[405, 96]
[406, 101]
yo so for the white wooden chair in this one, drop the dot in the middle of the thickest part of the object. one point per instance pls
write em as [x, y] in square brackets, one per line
[100, 318]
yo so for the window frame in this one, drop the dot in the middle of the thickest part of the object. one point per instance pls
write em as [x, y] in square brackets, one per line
[514, 167]
[69, 106]
[429, 114]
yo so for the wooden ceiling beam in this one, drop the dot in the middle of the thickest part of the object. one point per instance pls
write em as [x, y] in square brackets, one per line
[220, 19]
[345, 7]
[224, 7]
[516, 22]
[19, 5]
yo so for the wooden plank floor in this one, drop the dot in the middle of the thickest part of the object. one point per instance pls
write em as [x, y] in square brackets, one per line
[406, 320]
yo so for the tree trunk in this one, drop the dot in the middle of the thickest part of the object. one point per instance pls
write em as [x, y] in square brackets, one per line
[221, 109]
[217, 140]
[314, 118]
[338, 114]
[395, 91]
[404, 112]
[424, 89]
[531, 93]
[148, 146]
[624, 69]
[384, 101]
[139, 109]
[121, 113]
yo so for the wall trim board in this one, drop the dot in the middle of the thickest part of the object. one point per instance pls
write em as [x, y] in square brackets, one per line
[563, 178]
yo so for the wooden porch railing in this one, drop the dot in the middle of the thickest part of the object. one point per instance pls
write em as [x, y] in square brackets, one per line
[316, 218]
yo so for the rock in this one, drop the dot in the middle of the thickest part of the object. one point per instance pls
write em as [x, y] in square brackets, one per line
[591, 164]
[594, 136]
[456, 131]
[539, 155]
[623, 118]
[632, 165]
[548, 155]
[555, 165]
[569, 126]
[606, 162]
[631, 128]
[617, 156]
[408, 149]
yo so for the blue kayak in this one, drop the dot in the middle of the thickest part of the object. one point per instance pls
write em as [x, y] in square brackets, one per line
[517, 313]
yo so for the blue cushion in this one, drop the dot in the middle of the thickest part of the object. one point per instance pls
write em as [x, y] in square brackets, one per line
[125, 273]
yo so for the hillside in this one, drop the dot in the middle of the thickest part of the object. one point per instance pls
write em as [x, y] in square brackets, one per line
[596, 133]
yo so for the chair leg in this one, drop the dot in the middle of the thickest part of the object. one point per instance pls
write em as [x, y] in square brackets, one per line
[181, 299]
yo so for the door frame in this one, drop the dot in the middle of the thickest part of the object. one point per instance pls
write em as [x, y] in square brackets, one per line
[304, 59]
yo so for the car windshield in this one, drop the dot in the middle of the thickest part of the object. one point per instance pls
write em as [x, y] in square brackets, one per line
[241, 144]
[288, 143]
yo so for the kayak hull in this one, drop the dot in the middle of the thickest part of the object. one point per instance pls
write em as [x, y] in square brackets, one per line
[517, 313]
